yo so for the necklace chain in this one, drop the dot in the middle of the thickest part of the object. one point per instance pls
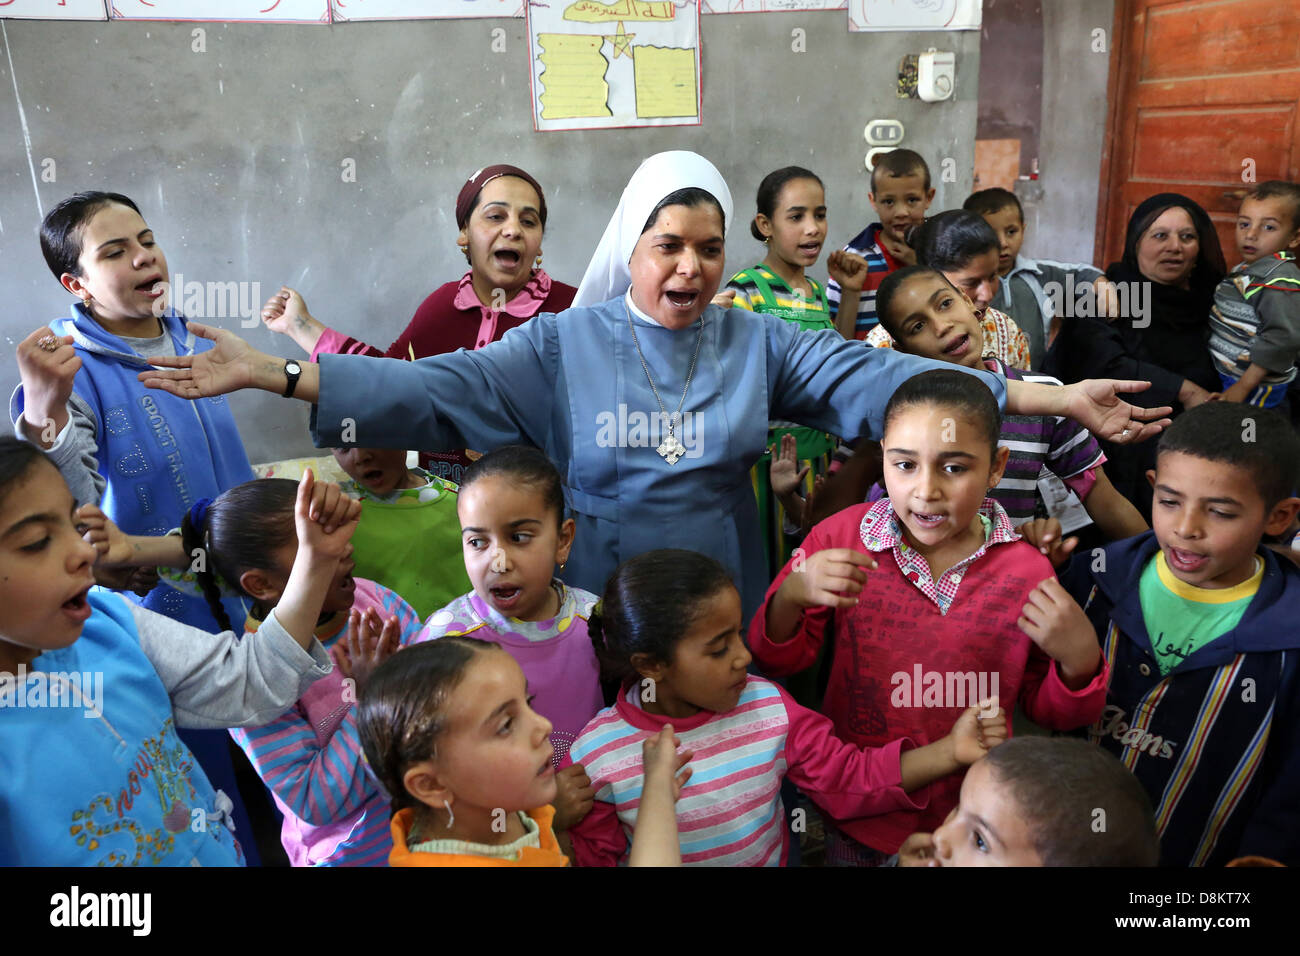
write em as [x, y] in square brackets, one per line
[671, 448]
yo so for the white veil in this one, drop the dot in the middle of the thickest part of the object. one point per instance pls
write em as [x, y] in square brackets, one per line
[607, 274]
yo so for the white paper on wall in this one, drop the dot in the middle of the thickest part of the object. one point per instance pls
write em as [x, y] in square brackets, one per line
[231, 11]
[914, 15]
[602, 64]
[424, 9]
[769, 6]
[54, 9]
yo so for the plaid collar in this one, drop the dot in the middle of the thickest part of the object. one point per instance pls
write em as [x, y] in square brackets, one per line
[880, 530]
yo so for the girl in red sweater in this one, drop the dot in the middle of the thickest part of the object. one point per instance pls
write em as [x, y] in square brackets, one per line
[933, 603]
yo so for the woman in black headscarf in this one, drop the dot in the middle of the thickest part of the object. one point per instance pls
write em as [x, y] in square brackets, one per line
[1171, 265]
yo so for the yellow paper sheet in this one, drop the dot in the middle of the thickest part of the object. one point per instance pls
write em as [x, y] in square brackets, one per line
[665, 82]
[573, 76]
[593, 11]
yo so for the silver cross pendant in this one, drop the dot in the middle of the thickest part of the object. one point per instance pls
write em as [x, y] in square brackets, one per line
[671, 449]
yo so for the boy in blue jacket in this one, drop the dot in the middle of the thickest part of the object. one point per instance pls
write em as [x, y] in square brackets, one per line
[1197, 623]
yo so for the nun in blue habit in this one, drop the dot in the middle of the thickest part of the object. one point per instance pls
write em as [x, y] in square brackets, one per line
[652, 402]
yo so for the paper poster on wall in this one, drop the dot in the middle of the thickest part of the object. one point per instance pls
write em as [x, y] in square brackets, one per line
[54, 10]
[602, 65]
[769, 6]
[914, 15]
[230, 11]
[345, 10]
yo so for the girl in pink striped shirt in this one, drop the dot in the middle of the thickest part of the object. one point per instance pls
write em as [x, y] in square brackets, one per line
[669, 626]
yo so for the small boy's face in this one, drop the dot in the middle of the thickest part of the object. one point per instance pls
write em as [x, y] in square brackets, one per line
[900, 201]
[987, 828]
[45, 568]
[122, 267]
[937, 322]
[1006, 222]
[1266, 226]
[380, 471]
[1209, 517]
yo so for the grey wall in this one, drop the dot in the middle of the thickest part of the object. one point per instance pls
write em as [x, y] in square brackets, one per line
[234, 154]
[1061, 208]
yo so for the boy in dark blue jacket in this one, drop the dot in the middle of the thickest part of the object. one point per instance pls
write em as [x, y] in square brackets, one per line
[1198, 624]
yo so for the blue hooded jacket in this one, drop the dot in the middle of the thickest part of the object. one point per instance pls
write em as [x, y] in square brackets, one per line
[1216, 742]
[159, 453]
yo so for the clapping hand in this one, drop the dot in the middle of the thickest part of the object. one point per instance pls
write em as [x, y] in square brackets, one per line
[370, 640]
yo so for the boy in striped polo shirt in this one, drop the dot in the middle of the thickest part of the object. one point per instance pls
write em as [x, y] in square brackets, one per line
[900, 195]
[1197, 624]
[1255, 321]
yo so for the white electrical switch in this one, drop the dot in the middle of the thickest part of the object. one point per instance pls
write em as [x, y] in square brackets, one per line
[936, 76]
[883, 132]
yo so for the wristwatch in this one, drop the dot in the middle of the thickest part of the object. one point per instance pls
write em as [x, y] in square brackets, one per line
[292, 372]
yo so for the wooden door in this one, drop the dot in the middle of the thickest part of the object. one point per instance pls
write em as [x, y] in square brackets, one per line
[1201, 92]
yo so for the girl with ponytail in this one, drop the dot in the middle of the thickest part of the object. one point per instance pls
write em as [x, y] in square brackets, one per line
[669, 628]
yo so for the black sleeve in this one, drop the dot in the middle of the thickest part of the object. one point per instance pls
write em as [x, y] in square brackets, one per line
[1095, 348]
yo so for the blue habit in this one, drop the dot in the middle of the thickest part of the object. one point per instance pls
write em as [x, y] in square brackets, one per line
[572, 385]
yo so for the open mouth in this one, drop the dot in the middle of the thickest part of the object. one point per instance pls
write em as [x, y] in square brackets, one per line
[548, 767]
[810, 248]
[78, 607]
[374, 476]
[928, 521]
[959, 347]
[507, 258]
[505, 597]
[153, 286]
[682, 299]
[1188, 562]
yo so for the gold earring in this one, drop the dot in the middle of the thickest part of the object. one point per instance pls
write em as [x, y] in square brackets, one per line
[537, 264]
[562, 563]
[465, 250]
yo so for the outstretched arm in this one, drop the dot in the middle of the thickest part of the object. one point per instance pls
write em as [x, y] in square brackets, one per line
[1093, 403]
[229, 366]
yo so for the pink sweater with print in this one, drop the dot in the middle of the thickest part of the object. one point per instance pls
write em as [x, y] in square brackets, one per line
[896, 639]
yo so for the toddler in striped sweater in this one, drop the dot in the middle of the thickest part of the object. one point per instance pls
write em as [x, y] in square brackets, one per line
[669, 626]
